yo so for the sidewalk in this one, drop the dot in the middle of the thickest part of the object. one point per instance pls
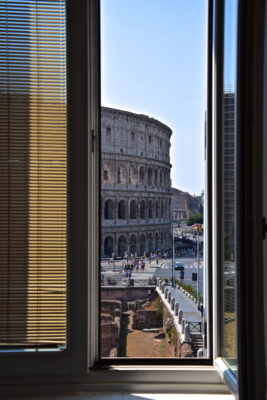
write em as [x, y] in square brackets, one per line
[189, 308]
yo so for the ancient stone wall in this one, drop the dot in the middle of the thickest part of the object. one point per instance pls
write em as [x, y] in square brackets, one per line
[127, 294]
[110, 326]
[143, 319]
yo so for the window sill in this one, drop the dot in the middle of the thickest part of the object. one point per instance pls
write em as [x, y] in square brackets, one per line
[135, 396]
[191, 380]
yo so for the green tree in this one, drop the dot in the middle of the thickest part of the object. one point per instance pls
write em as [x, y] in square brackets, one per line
[195, 219]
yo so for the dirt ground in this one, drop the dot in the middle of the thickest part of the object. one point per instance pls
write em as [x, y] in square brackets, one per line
[144, 344]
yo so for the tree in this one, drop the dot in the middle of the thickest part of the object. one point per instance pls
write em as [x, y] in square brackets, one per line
[195, 219]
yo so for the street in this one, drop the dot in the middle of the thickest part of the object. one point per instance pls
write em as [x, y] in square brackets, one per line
[190, 266]
[161, 270]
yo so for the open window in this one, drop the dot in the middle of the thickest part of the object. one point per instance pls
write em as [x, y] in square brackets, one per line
[33, 208]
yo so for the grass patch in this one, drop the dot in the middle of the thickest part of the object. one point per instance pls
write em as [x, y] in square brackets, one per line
[189, 289]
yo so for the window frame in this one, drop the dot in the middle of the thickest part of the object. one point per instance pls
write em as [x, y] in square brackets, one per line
[69, 370]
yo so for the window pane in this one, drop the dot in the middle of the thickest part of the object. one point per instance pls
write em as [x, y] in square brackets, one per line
[153, 71]
[229, 348]
[33, 173]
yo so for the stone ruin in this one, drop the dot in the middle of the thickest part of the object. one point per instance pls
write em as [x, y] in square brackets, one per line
[110, 327]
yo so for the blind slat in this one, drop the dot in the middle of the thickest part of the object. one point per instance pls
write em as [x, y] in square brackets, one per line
[33, 174]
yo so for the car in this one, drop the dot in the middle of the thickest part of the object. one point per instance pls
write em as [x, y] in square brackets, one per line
[179, 266]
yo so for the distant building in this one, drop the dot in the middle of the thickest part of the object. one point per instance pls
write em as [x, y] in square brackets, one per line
[229, 172]
[183, 204]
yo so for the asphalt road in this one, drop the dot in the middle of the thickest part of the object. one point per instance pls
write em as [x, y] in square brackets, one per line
[163, 271]
[190, 266]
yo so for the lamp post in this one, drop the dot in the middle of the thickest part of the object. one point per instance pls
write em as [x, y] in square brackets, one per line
[172, 255]
[198, 297]
[113, 256]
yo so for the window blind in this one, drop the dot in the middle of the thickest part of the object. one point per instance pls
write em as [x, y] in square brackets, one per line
[33, 174]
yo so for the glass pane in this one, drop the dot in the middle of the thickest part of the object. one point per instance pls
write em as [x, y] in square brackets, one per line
[229, 348]
[33, 174]
[153, 78]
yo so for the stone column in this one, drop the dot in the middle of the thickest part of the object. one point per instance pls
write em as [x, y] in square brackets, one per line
[180, 316]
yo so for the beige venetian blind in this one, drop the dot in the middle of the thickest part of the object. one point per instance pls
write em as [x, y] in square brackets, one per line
[33, 174]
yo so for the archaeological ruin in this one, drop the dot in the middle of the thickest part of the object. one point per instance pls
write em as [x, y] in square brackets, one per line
[136, 185]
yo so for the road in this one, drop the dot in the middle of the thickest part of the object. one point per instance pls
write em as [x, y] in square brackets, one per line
[161, 270]
[190, 266]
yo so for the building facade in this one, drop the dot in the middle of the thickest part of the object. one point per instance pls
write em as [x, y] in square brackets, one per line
[136, 185]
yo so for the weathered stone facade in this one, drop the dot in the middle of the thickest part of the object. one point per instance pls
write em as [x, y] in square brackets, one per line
[136, 185]
[183, 204]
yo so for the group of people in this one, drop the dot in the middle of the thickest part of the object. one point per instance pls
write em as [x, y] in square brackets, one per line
[133, 265]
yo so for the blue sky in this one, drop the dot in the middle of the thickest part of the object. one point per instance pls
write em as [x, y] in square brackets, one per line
[153, 55]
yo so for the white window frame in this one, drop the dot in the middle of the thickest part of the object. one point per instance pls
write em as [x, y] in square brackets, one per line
[74, 369]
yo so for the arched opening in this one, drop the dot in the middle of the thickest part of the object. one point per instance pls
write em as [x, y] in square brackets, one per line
[122, 246]
[156, 177]
[162, 245]
[108, 246]
[108, 210]
[133, 210]
[157, 243]
[142, 244]
[122, 209]
[165, 210]
[142, 175]
[133, 175]
[121, 175]
[133, 138]
[161, 210]
[132, 247]
[108, 134]
[160, 178]
[157, 209]
[150, 209]
[143, 209]
[150, 243]
[149, 176]
[107, 173]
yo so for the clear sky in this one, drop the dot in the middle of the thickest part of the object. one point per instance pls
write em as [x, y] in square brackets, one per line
[153, 56]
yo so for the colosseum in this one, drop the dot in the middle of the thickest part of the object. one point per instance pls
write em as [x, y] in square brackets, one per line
[136, 185]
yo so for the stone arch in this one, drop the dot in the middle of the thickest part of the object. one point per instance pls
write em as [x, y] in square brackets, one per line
[121, 174]
[150, 242]
[122, 209]
[108, 246]
[107, 173]
[150, 209]
[165, 209]
[142, 209]
[157, 242]
[142, 241]
[149, 176]
[161, 209]
[133, 138]
[160, 178]
[108, 134]
[132, 247]
[165, 179]
[142, 175]
[122, 246]
[162, 241]
[133, 210]
[133, 179]
[157, 209]
[109, 209]
[156, 177]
